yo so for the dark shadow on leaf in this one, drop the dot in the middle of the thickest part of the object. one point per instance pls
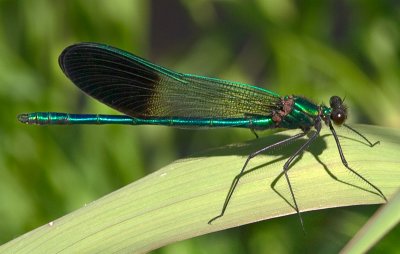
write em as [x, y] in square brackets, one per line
[358, 140]
[337, 179]
[274, 182]
[283, 153]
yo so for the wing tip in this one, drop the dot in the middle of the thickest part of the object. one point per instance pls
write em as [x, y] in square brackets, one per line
[72, 49]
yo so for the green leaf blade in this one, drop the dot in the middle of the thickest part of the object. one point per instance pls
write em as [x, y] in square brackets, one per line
[177, 201]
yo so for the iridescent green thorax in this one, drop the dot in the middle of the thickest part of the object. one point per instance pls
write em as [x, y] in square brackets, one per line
[302, 113]
[306, 106]
[325, 113]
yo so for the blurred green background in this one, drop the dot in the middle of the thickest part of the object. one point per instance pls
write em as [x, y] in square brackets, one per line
[311, 48]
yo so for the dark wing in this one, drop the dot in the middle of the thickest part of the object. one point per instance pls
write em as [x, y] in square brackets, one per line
[139, 88]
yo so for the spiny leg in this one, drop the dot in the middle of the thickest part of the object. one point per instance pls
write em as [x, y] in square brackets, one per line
[344, 162]
[249, 116]
[361, 135]
[237, 177]
[289, 162]
[254, 132]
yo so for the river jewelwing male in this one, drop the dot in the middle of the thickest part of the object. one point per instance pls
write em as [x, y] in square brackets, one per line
[150, 94]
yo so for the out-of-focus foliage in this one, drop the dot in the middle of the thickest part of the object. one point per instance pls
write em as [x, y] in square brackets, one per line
[316, 49]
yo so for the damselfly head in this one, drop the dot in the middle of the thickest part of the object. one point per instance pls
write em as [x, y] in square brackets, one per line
[339, 110]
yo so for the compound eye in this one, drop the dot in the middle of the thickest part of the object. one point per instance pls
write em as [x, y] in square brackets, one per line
[335, 101]
[338, 117]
